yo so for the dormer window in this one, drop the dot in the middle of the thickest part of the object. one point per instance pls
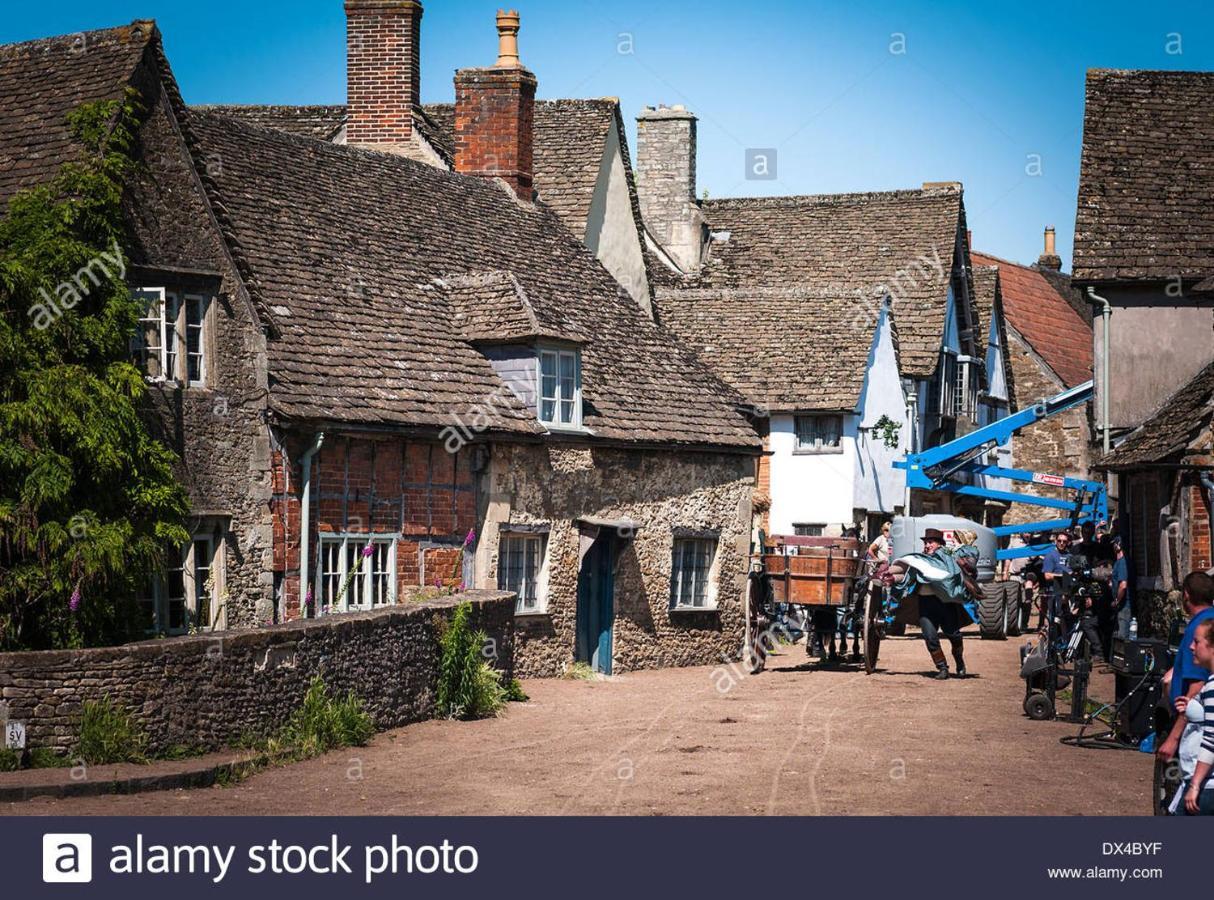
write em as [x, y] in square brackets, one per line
[560, 387]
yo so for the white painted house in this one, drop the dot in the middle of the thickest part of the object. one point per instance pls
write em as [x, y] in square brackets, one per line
[821, 370]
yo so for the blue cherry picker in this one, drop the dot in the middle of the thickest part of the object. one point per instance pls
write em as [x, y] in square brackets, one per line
[961, 467]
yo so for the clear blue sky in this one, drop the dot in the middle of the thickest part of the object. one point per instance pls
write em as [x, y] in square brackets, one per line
[982, 90]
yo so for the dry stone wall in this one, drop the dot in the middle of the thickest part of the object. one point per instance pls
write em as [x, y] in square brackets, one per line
[207, 691]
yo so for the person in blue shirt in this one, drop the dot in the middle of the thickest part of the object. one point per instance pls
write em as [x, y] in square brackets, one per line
[1054, 566]
[1122, 591]
[1187, 677]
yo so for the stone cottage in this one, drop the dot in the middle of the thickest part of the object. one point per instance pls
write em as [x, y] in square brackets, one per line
[383, 377]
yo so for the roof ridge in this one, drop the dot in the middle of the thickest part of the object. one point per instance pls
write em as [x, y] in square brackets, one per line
[791, 199]
[110, 30]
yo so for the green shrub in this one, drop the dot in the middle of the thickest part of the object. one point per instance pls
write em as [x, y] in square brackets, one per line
[323, 723]
[514, 692]
[109, 734]
[40, 758]
[468, 686]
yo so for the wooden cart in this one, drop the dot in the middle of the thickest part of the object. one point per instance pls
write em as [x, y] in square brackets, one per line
[810, 572]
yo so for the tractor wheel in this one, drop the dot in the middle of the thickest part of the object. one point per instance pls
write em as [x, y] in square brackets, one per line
[992, 612]
[1038, 707]
[1012, 597]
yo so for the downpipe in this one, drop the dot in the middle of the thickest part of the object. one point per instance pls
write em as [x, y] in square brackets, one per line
[305, 509]
[1106, 313]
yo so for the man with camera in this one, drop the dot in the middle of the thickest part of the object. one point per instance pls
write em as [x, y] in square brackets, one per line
[1061, 569]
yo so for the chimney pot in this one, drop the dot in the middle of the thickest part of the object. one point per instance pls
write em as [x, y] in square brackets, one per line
[507, 40]
[1049, 258]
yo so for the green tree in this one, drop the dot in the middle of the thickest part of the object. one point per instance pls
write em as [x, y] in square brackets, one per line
[88, 499]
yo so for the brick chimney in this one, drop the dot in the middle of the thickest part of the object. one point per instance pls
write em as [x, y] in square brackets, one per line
[383, 72]
[1049, 258]
[494, 115]
[666, 183]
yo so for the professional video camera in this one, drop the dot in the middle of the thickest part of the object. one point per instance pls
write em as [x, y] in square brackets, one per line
[1084, 584]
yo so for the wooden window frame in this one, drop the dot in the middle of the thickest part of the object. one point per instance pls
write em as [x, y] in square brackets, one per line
[818, 446]
[702, 578]
[346, 547]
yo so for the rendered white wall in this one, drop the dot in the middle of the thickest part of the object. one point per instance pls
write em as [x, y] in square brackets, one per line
[611, 231]
[879, 487]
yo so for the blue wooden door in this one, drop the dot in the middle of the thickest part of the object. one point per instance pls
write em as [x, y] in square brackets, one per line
[596, 604]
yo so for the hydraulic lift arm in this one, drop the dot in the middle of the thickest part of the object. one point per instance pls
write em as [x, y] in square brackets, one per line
[935, 470]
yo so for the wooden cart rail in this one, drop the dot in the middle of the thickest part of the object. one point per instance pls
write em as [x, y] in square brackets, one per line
[812, 571]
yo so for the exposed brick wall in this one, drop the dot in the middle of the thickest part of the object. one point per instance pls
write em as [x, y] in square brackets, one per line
[208, 691]
[494, 125]
[1199, 531]
[363, 485]
[383, 73]
[1057, 446]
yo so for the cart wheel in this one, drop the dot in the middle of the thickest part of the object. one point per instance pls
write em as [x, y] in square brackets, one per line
[754, 651]
[1038, 707]
[872, 631]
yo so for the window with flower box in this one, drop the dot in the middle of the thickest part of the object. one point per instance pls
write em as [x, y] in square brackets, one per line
[356, 572]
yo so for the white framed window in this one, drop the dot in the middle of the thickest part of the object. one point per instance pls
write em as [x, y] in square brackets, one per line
[183, 597]
[170, 342]
[819, 434]
[691, 571]
[560, 388]
[519, 564]
[356, 572]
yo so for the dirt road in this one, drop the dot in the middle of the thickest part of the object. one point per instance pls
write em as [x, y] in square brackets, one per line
[794, 740]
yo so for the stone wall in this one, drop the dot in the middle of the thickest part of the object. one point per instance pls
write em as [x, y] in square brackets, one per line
[559, 488]
[216, 428]
[666, 182]
[209, 690]
[1058, 445]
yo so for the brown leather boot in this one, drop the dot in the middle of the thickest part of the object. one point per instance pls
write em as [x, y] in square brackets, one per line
[941, 664]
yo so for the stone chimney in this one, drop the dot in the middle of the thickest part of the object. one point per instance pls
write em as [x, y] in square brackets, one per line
[666, 183]
[494, 115]
[1049, 258]
[383, 72]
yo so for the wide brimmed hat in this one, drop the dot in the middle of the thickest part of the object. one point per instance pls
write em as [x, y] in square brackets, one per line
[933, 534]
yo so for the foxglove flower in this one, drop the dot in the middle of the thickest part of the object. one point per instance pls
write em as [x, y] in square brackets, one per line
[367, 551]
[74, 603]
[471, 538]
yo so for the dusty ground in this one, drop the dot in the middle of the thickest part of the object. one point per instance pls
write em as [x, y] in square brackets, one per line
[794, 740]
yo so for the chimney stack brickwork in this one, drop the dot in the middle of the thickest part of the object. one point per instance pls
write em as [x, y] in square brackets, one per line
[383, 71]
[666, 183]
[495, 116]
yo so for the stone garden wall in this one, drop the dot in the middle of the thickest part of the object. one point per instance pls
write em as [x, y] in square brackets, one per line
[207, 691]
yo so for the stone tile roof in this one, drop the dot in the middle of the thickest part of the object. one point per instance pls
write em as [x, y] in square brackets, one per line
[1173, 429]
[320, 122]
[898, 241]
[1043, 317]
[493, 308]
[792, 349]
[346, 248]
[570, 140]
[1146, 182]
[42, 81]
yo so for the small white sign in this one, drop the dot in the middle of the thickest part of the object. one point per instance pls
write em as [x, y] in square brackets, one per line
[14, 735]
